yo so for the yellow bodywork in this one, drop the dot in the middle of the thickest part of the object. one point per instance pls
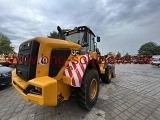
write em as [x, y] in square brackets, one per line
[48, 85]
[52, 88]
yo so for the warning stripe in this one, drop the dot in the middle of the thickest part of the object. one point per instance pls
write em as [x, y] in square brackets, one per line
[75, 77]
[79, 69]
[76, 70]
[81, 72]
[82, 67]
[70, 74]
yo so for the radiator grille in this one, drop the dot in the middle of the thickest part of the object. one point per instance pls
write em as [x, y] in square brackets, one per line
[57, 60]
[27, 60]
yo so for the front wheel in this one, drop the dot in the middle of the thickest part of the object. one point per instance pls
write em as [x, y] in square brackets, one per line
[88, 92]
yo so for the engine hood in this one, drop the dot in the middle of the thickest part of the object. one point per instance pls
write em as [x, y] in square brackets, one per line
[58, 43]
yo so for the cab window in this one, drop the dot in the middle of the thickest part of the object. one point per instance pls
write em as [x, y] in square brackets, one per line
[91, 42]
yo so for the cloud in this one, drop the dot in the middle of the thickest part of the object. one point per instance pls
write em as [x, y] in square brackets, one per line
[124, 25]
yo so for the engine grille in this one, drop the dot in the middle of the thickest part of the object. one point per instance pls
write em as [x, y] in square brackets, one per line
[27, 60]
[57, 60]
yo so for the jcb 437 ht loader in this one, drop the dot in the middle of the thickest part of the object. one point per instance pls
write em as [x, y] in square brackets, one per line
[49, 70]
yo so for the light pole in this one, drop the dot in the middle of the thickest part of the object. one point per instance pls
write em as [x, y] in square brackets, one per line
[102, 51]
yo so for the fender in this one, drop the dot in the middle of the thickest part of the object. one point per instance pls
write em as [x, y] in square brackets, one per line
[76, 70]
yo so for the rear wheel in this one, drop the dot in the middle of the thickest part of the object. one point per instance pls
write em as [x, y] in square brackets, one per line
[87, 94]
[106, 78]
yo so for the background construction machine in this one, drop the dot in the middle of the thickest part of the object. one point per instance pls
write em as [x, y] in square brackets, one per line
[9, 60]
[50, 70]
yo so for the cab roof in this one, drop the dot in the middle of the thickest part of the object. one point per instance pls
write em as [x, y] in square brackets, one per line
[80, 29]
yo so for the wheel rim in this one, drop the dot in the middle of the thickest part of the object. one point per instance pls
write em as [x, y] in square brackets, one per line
[93, 89]
[109, 74]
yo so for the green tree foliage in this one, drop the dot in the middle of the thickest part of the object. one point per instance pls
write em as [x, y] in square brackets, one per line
[5, 44]
[110, 53]
[54, 34]
[149, 48]
[127, 56]
[119, 54]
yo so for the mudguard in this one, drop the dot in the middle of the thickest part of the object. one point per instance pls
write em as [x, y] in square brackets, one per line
[76, 70]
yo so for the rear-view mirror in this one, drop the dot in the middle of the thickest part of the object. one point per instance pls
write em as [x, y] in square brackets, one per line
[98, 39]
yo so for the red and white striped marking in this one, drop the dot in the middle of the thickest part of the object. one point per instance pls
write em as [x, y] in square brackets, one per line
[76, 70]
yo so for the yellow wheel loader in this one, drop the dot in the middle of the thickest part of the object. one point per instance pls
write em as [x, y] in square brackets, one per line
[49, 71]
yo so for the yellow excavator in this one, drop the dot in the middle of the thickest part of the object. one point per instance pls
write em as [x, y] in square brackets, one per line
[49, 70]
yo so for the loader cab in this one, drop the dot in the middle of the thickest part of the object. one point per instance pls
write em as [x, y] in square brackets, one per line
[85, 37]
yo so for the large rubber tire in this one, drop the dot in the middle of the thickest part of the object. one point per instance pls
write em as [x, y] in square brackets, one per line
[106, 78]
[84, 97]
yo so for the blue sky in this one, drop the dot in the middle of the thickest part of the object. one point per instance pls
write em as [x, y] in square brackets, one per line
[123, 25]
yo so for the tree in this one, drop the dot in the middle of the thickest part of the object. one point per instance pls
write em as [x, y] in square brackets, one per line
[119, 54]
[157, 50]
[5, 44]
[54, 34]
[127, 56]
[149, 48]
[110, 53]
